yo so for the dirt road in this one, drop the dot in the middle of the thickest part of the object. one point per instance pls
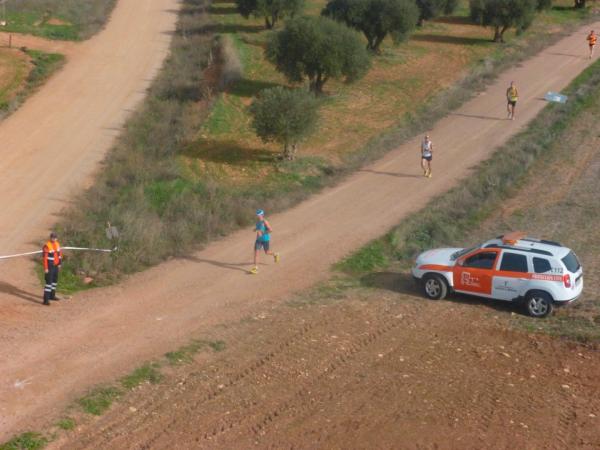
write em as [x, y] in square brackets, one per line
[49, 356]
[376, 370]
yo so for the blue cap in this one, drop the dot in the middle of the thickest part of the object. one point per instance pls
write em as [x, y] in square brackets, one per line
[260, 212]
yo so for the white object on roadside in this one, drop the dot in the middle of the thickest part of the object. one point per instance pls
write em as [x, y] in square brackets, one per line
[555, 97]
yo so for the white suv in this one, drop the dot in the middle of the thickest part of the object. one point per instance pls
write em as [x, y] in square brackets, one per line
[512, 267]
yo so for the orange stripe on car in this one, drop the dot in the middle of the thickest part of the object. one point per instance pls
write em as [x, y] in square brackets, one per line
[438, 267]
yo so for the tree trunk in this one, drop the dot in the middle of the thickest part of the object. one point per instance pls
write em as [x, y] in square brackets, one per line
[499, 33]
[316, 84]
[289, 151]
[579, 4]
[268, 24]
[378, 41]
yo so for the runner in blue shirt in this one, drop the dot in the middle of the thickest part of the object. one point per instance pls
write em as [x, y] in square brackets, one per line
[263, 240]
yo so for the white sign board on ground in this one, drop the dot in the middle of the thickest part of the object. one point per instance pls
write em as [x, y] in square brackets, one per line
[555, 97]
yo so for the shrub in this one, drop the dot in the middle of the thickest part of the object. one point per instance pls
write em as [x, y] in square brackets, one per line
[429, 9]
[375, 18]
[503, 14]
[318, 48]
[285, 116]
[543, 4]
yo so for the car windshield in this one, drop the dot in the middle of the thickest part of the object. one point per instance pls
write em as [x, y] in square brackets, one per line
[462, 252]
[571, 262]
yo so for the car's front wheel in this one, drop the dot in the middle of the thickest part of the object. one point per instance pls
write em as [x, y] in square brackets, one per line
[538, 304]
[435, 286]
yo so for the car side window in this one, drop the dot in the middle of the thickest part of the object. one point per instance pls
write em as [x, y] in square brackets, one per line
[482, 260]
[513, 262]
[541, 265]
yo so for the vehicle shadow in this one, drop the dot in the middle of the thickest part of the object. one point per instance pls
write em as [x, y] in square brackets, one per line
[14, 291]
[403, 283]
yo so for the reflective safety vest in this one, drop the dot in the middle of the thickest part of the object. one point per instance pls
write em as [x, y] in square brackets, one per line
[52, 254]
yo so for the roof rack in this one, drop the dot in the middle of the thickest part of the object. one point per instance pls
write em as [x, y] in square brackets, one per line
[543, 241]
[521, 249]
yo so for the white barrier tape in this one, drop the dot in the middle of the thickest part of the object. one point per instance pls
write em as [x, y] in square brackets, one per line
[20, 254]
[39, 252]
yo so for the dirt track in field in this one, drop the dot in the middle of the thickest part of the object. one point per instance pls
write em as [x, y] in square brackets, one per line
[50, 356]
[380, 370]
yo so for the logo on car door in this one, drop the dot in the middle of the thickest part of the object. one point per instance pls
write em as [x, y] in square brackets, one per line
[468, 279]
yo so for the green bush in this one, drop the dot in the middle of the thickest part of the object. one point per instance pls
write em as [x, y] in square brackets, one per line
[271, 10]
[319, 49]
[285, 116]
[429, 9]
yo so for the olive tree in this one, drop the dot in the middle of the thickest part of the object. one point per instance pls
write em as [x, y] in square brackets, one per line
[318, 49]
[285, 116]
[503, 14]
[375, 18]
[271, 10]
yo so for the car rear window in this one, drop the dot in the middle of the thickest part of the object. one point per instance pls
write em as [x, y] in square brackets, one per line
[513, 262]
[571, 262]
[541, 265]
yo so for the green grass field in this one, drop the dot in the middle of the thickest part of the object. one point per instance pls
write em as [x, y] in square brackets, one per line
[56, 19]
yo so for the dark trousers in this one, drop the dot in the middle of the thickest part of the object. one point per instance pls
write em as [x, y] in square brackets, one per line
[51, 279]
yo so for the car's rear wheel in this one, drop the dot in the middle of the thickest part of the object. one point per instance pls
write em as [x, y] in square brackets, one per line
[435, 286]
[538, 304]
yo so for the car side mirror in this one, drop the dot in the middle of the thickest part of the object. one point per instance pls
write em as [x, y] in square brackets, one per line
[460, 262]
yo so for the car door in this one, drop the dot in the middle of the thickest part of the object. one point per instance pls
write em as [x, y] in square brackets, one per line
[473, 272]
[512, 275]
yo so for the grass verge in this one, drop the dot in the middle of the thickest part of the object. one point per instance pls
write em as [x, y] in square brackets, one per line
[44, 66]
[148, 373]
[99, 400]
[66, 424]
[25, 441]
[57, 19]
[185, 354]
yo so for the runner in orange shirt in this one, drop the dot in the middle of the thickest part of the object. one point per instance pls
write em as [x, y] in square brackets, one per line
[592, 41]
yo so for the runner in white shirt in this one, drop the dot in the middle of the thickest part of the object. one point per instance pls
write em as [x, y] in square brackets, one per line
[426, 156]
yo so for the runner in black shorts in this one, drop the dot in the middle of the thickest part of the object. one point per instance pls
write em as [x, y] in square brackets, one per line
[263, 240]
[512, 95]
[426, 156]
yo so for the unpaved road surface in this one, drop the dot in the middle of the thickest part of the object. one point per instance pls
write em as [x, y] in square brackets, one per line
[377, 370]
[50, 147]
[54, 142]
[60, 351]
